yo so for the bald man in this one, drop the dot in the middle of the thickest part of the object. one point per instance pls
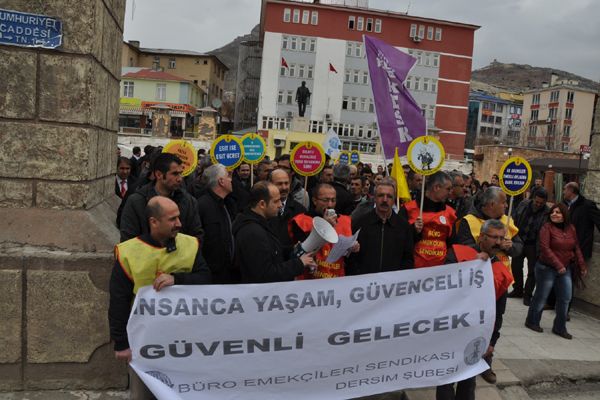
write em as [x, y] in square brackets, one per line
[179, 263]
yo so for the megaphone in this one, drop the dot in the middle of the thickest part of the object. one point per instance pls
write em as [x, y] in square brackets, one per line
[321, 233]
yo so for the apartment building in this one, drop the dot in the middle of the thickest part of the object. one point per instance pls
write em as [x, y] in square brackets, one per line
[322, 43]
[492, 120]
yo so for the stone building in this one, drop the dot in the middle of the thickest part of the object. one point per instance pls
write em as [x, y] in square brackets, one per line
[58, 139]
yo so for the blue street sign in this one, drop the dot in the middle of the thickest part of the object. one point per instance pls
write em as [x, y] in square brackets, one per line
[29, 30]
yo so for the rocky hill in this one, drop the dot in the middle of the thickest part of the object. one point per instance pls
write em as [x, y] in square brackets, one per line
[229, 55]
[520, 77]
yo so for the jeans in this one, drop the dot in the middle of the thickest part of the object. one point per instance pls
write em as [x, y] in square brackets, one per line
[465, 390]
[529, 253]
[547, 278]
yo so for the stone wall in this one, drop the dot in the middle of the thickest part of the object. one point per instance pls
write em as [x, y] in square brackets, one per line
[58, 140]
[492, 158]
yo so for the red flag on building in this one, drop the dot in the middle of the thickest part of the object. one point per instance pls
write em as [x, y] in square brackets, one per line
[284, 63]
[331, 68]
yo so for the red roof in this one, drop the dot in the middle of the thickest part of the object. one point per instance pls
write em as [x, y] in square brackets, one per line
[154, 75]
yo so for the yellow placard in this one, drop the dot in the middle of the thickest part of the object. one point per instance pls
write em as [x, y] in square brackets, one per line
[515, 176]
[186, 152]
[425, 155]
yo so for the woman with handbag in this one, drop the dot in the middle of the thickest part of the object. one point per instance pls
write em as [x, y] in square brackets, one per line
[560, 260]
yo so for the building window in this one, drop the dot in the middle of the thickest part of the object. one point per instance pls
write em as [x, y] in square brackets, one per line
[363, 104]
[438, 34]
[413, 30]
[161, 91]
[284, 42]
[351, 22]
[422, 31]
[305, 17]
[293, 43]
[312, 45]
[371, 106]
[369, 25]
[534, 115]
[345, 103]
[570, 97]
[156, 59]
[498, 120]
[355, 76]
[296, 17]
[554, 96]
[417, 83]
[535, 99]
[349, 46]
[314, 18]
[408, 82]
[358, 50]
[301, 69]
[292, 70]
[565, 147]
[377, 25]
[365, 78]
[436, 60]
[552, 112]
[203, 83]
[282, 71]
[353, 104]
[360, 23]
[128, 88]
[280, 97]
[567, 131]
[532, 130]
[569, 113]
[171, 63]
[427, 59]
[309, 72]
[289, 97]
[430, 33]
[303, 43]
[347, 76]
[287, 13]
[434, 85]
[499, 108]
[426, 84]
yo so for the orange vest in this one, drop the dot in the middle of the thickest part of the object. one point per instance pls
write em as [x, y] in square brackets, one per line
[325, 269]
[431, 250]
[502, 278]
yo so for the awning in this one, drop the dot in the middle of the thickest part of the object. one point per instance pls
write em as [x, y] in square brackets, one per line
[178, 114]
[130, 110]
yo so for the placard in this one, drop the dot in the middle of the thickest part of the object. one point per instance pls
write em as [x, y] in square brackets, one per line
[425, 155]
[354, 157]
[227, 150]
[255, 148]
[515, 176]
[186, 153]
[307, 158]
[344, 158]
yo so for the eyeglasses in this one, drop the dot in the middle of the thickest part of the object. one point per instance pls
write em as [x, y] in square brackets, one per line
[329, 200]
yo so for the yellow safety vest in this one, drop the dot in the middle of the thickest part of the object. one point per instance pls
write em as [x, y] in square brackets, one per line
[142, 262]
[475, 225]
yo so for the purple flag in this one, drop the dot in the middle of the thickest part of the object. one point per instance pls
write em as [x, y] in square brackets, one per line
[398, 115]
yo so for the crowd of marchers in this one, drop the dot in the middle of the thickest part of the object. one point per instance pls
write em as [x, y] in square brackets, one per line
[226, 227]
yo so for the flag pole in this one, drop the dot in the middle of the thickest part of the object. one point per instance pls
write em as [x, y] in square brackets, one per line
[424, 178]
[251, 175]
[510, 207]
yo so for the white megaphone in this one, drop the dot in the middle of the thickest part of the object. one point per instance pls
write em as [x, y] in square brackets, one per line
[321, 233]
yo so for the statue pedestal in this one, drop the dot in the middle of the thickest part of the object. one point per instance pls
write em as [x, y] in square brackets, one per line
[300, 124]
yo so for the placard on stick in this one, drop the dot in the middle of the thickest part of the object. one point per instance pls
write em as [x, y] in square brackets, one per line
[307, 158]
[186, 153]
[227, 150]
[515, 176]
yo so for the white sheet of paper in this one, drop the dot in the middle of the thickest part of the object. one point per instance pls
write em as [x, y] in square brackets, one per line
[341, 247]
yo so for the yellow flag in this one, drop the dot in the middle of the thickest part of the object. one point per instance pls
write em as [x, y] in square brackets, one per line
[398, 174]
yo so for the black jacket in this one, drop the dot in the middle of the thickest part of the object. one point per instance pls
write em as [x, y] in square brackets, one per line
[121, 293]
[529, 221]
[241, 192]
[383, 246]
[135, 223]
[258, 253]
[461, 205]
[130, 189]
[279, 224]
[463, 234]
[344, 204]
[585, 215]
[217, 215]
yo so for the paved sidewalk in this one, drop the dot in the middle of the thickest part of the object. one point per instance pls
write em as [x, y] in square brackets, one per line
[524, 359]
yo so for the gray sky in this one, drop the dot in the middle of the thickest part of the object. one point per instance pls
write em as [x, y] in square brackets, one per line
[562, 34]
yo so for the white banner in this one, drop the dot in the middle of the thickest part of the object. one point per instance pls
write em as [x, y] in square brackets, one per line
[316, 339]
[332, 144]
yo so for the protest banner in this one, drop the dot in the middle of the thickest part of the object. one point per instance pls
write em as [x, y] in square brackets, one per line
[227, 150]
[307, 159]
[186, 153]
[318, 339]
[425, 156]
[255, 150]
[332, 144]
[515, 177]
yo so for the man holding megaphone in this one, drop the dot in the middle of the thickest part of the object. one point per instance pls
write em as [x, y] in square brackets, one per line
[306, 227]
